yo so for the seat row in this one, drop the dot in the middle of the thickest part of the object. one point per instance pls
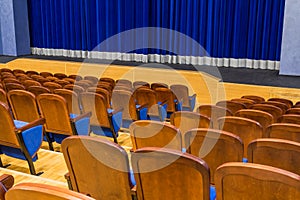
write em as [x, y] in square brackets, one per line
[163, 173]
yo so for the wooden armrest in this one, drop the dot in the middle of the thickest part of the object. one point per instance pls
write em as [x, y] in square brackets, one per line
[133, 191]
[79, 117]
[116, 111]
[142, 106]
[164, 102]
[32, 124]
[7, 180]
[67, 177]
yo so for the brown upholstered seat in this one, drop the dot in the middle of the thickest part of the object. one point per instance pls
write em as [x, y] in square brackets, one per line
[13, 86]
[60, 75]
[23, 105]
[38, 191]
[290, 118]
[137, 84]
[76, 88]
[52, 86]
[246, 129]
[186, 120]
[214, 113]
[20, 139]
[124, 82]
[280, 105]
[28, 83]
[170, 174]
[111, 81]
[215, 147]
[46, 74]
[59, 122]
[158, 85]
[284, 131]
[102, 120]
[246, 102]
[146, 133]
[273, 110]
[233, 106]
[165, 94]
[97, 167]
[279, 153]
[182, 93]
[293, 111]
[71, 98]
[105, 93]
[287, 102]
[3, 97]
[93, 79]
[37, 90]
[237, 181]
[257, 99]
[264, 118]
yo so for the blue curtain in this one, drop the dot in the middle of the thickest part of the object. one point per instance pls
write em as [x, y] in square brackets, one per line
[224, 28]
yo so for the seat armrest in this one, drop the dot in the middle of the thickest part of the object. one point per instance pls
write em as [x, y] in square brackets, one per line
[163, 103]
[79, 117]
[7, 180]
[32, 124]
[142, 107]
[67, 177]
[116, 111]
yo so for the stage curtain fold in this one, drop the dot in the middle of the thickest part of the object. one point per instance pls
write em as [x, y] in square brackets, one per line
[234, 33]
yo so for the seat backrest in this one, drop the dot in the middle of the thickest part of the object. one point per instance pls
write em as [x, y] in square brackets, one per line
[146, 133]
[145, 95]
[109, 80]
[166, 94]
[290, 118]
[265, 119]
[246, 129]
[60, 75]
[37, 90]
[158, 85]
[182, 93]
[97, 167]
[93, 79]
[28, 83]
[14, 86]
[137, 84]
[52, 86]
[246, 102]
[55, 111]
[280, 105]
[71, 98]
[257, 99]
[233, 106]
[124, 82]
[37, 191]
[214, 113]
[279, 153]
[287, 102]
[97, 105]
[124, 99]
[46, 74]
[169, 174]
[75, 88]
[293, 111]
[237, 181]
[105, 93]
[215, 147]
[23, 105]
[284, 131]
[7, 127]
[3, 97]
[186, 120]
[273, 110]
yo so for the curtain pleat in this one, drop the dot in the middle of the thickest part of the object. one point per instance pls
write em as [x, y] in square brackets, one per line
[225, 29]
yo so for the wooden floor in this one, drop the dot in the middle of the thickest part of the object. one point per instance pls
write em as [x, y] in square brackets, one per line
[209, 90]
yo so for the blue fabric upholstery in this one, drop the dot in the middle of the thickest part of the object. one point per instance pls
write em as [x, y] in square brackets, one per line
[142, 114]
[32, 140]
[116, 120]
[245, 160]
[192, 100]
[82, 126]
[102, 131]
[213, 193]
